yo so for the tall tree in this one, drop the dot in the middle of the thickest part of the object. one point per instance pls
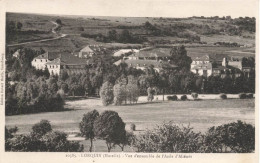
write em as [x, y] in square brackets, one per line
[180, 58]
[87, 126]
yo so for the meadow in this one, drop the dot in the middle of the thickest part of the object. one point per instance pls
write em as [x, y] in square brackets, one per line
[198, 114]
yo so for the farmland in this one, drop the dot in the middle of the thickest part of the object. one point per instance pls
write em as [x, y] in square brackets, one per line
[74, 26]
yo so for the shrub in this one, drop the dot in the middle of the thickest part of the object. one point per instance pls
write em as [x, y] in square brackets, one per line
[169, 98]
[223, 96]
[132, 127]
[236, 137]
[194, 95]
[184, 97]
[250, 95]
[41, 128]
[242, 95]
[169, 138]
[174, 98]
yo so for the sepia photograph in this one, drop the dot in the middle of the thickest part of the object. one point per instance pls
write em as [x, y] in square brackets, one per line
[102, 77]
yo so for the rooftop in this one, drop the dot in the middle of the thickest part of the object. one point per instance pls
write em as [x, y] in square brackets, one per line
[146, 63]
[153, 52]
[67, 59]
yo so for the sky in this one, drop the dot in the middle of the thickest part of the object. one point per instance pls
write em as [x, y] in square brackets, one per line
[136, 8]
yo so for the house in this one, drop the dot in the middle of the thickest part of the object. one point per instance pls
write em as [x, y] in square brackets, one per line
[17, 53]
[202, 65]
[156, 57]
[90, 50]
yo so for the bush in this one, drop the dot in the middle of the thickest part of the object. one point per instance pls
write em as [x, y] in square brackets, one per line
[184, 97]
[237, 137]
[172, 98]
[194, 95]
[169, 98]
[250, 95]
[242, 95]
[223, 96]
[132, 127]
[169, 138]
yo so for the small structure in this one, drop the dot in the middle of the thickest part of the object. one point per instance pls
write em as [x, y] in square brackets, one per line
[90, 50]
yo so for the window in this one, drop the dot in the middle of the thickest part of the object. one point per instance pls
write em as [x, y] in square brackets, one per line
[41, 60]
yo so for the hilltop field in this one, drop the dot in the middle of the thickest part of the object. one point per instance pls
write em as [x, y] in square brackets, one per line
[200, 35]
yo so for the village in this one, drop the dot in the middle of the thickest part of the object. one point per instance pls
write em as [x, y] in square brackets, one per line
[121, 87]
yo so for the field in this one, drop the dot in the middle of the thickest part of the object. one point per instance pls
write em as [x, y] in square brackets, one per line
[73, 42]
[198, 114]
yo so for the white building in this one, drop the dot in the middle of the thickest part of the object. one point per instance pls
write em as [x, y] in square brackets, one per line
[202, 66]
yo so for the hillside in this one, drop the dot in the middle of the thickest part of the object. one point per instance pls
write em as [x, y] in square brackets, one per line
[131, 31]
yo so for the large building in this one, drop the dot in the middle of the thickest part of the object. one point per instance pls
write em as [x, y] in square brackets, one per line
[159, 58]
[59, 62]
[40, 61]
[207, 66]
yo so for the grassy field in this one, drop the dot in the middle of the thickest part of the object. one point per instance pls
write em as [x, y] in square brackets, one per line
[198, 114]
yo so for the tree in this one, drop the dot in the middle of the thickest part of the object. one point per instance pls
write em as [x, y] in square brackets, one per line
[119, 94]
[58, 21]
[163, 83]
[112, 35]
[150, 92]
[180, 58]
[41, 128]
[87, 126]
[110, 127]
[106, 93]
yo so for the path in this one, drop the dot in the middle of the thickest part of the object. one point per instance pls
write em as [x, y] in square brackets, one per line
[43, 40]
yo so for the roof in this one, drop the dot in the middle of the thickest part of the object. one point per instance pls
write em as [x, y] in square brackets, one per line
[203, 58]
[146, 63]
[153, 52]
[204, 66]
[123, 51]
[68, 59]
[86, 49]
[48, 55]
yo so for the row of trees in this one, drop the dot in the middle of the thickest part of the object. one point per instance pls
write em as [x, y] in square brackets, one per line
[36, 95]
[125, 89]
[124, 37]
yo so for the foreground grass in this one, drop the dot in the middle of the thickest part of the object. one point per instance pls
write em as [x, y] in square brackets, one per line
[198, 114]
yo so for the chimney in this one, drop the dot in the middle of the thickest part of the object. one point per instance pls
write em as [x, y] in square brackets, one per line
[224, 62]
[47, 55]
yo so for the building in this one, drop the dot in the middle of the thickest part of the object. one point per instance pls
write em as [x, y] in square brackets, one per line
[124, 51]
[207, 66]
[90, 50]
[40, 61]
[17, 53]
[202, 66]
[157, 58]
[56, 63]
